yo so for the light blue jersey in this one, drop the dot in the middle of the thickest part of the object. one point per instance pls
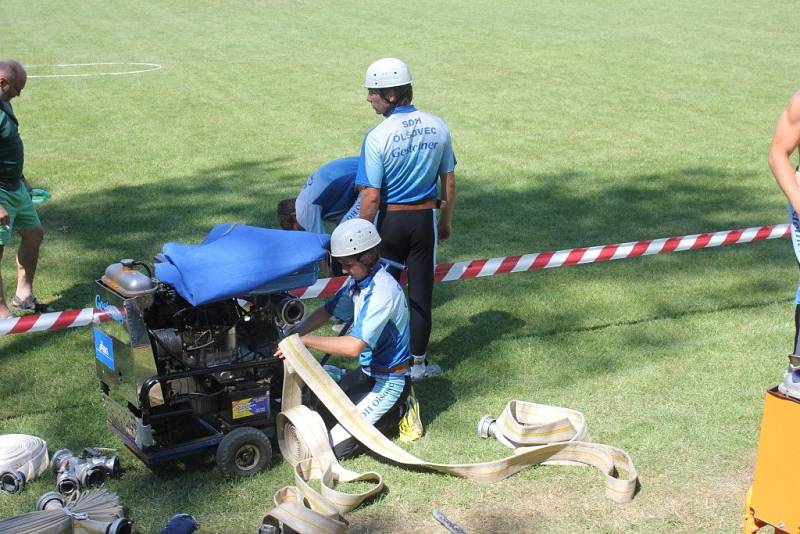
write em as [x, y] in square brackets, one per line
[378, 308]
[329, 195]
[404, 155]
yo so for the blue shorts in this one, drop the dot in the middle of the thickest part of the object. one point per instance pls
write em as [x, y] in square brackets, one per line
[794, 225]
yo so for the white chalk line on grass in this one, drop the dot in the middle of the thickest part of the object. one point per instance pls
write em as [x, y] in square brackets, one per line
[150, 68]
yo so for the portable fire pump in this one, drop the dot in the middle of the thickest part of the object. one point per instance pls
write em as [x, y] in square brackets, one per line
[186, 364]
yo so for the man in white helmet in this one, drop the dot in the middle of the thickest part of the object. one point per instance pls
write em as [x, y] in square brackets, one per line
[403, 158]
[379, 337]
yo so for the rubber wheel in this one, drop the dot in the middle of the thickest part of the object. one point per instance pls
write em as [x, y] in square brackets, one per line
[243, 452]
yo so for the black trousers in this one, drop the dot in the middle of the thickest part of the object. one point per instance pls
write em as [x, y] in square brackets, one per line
[357, 385]
[409, 237]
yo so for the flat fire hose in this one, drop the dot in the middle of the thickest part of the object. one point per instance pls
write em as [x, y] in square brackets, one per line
[22, 458]
[538, 434]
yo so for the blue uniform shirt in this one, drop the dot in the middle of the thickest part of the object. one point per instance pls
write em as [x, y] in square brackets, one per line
[378, 308]
[328, 195]
[404, 155]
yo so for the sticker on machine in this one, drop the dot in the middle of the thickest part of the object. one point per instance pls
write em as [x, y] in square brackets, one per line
[249, 406]
[103, 348]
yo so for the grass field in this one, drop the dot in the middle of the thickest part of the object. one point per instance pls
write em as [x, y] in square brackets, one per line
[574, 123]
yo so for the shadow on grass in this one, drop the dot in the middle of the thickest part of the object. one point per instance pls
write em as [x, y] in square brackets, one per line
[579, 208]
[99, 227]
[556, 210]
[582, 208]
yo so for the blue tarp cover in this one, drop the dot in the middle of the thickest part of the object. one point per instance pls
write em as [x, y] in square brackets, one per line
[235, 260]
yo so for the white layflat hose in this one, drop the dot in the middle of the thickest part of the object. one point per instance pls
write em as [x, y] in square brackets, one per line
[22, 458]
[538, 434]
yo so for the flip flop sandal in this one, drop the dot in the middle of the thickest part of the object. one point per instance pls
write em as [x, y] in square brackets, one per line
[28, 306]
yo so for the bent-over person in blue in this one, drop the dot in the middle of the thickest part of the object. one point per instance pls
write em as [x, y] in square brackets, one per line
[379, 337]
[329, 195]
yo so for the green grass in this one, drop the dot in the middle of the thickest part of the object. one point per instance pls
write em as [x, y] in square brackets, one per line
[574, 124]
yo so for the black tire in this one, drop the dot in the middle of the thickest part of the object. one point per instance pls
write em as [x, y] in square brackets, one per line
[243, 452]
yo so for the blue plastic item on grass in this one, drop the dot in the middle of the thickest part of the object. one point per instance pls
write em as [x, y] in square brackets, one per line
[180, 524]
[39, 195]
[237, 260]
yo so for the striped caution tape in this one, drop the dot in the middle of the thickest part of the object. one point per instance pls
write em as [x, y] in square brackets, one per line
[53, 321]
[447, 272]
[537, 434]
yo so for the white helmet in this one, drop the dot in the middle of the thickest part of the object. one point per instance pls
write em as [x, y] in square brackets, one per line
[387, 72]
[352, 237]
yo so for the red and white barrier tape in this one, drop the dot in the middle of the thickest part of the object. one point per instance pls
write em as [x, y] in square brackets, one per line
[447, 272]
[53, 321]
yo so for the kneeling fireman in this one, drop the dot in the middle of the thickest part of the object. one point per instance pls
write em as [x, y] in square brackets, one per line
[374, 301]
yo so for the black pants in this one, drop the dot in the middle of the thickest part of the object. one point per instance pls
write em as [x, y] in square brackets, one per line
[357, 385]
[409, 237]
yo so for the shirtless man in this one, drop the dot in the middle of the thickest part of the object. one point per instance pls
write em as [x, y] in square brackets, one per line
[784, 142]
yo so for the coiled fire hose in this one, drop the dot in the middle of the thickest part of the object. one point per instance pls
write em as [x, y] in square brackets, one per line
[538, 434]
[22, 458]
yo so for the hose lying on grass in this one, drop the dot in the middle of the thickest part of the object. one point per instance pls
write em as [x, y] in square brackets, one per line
[92, 512]
[22, 458]
[536, 433]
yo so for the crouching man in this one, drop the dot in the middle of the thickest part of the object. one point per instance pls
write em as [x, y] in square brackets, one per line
[379, 337]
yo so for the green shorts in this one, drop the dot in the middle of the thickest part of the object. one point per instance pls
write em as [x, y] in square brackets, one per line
[20, 210]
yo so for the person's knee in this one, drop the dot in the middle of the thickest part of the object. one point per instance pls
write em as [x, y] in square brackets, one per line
[347, 449]
[32, 237]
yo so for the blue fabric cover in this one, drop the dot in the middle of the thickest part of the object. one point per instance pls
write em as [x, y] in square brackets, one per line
[234, 260]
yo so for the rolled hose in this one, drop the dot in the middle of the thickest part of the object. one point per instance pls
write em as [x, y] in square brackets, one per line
[22, 458]
[296, 449]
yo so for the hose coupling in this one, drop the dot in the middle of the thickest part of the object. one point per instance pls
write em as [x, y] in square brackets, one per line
[486, 426]
[12, 481]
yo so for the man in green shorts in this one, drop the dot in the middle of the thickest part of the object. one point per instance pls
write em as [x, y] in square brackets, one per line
[16, 209]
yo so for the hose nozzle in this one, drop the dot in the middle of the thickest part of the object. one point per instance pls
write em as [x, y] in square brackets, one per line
[487, 426]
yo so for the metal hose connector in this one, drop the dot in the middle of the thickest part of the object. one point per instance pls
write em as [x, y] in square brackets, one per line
[486, 426]
[291, 310]
[12, 482]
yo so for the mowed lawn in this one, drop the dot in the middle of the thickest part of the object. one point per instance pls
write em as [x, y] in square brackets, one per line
[574, 124]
